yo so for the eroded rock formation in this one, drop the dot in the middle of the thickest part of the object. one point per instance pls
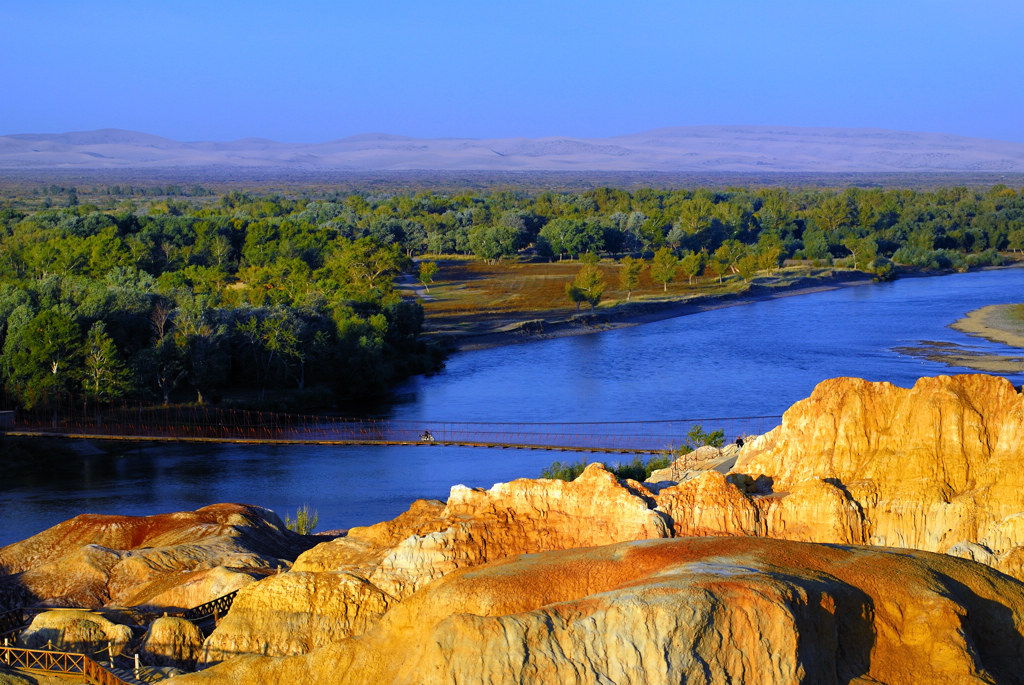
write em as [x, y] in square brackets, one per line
[700, 610]
[167, 561]
[293, 613]
[935, 467]
[75, 630]
[340, 588]
[801, 482]
[172, 641]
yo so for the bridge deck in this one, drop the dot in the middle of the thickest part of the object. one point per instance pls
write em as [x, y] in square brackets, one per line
[338, 442]
[211, 425]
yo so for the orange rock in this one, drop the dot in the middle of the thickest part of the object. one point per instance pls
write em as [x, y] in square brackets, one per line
[709, 505]
[94, 560]
[361, 575]
[75, 630]
[477, 526]
[172, 641]
[707, 610]
[522, 516]
[295, 612]
[930, 468]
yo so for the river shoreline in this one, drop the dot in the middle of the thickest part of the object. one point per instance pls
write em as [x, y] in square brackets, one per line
[627, 314]
[998, 323]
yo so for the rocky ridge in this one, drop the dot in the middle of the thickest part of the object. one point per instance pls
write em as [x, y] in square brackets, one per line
[163, 562]
[694, 610]
[792, 484]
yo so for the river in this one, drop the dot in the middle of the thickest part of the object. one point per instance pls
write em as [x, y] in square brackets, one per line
[749, 360]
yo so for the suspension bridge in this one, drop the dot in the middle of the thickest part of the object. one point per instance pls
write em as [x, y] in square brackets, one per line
[207, 424]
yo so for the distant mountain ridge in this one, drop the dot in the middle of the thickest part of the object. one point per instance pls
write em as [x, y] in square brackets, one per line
[680, 149]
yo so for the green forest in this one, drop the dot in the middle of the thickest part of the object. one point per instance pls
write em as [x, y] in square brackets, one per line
[286, 301]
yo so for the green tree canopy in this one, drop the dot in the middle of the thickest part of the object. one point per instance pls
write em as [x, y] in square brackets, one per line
[663, 267]
[629, 274]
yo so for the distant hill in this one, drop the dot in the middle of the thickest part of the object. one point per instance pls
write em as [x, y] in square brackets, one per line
[681, 149]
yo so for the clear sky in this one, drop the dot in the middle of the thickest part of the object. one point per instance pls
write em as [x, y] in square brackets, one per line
[312, 71]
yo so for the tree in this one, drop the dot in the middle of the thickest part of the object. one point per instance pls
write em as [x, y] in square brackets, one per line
[663, 267]
[692, 264]
[769, 251]
[716, 267]
[629, 275]
[42, 358]
[274, 340]
[831, 213]
[427, 271]
[104, 376]
[729, 253]
[864, 251]
[816, 244]
[362, 269]
[199, 340]
[571, 236]
[588, 286]
[695, 214]
[746, 267]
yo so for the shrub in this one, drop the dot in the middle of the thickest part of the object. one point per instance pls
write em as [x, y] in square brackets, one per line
[987, 258]
[566, 471]
[697, 437]
[638, 469]
[305, 520]
[641, 470]
[884, 269]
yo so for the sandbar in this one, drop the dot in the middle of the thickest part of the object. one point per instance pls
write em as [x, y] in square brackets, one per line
[1000, 323]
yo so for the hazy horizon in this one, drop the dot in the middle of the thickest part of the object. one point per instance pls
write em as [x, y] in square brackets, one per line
[383, 135]
[692, 149]
[320, 71]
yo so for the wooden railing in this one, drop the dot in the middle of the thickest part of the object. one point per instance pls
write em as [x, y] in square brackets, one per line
[58, 662]
[72, 663]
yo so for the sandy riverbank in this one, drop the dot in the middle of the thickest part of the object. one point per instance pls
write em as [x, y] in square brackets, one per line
[998, 323]
[1001, 323]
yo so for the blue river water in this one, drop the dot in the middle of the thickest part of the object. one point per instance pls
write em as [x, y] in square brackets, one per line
[749, 360]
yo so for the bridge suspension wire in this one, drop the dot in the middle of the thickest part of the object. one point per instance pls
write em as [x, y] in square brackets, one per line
[211, 424]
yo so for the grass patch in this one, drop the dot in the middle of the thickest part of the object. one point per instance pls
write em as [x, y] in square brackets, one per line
[638, 469]
[468, 295]
[305, 520]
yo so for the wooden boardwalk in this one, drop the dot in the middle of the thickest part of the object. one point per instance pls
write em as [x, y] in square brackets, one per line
[104, 667]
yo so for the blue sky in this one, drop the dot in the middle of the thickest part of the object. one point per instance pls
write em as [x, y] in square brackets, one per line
[315, 71]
